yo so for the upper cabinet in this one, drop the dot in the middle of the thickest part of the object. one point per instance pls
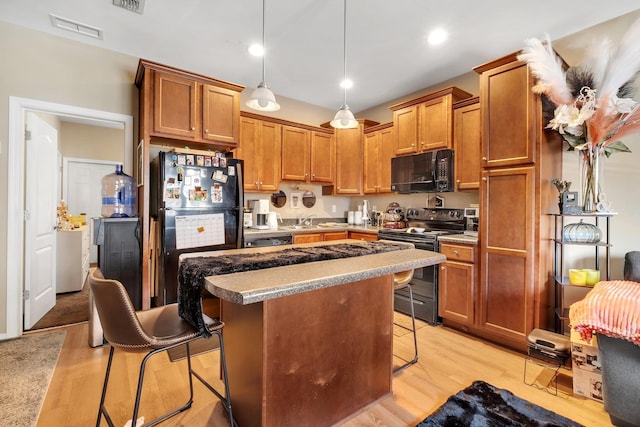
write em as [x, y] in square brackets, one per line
[466, 143]
[349, 156]
[296, 160]
[185, 106]
[426, 123]
[307, 155]
[323, 157]
[260, 144]
[379, 148]
[510, 128]
[276, 150]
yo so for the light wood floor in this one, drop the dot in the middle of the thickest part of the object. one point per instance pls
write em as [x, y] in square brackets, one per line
[449, 361]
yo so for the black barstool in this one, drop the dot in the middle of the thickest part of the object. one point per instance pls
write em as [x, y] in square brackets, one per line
[400, 281]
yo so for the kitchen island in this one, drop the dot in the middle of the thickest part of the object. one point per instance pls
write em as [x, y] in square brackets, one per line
[310, 344]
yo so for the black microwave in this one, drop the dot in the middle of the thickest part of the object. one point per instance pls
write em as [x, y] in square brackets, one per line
[428, 172]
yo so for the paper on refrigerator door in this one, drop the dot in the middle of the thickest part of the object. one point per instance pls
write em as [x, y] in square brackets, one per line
[193, 231]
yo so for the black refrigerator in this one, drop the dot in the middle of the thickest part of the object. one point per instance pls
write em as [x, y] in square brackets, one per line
[197, 201]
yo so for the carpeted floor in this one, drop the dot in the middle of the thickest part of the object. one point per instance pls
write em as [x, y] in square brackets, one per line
[482, 404]
[26, 368]
[71, 307]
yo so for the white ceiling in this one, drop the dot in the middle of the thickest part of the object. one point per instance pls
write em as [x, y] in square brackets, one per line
[387, 53]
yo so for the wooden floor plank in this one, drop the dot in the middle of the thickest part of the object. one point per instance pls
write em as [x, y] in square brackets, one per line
[449, 361]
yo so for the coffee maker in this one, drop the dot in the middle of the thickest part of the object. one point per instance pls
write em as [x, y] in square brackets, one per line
[471, 218]
[260, 214]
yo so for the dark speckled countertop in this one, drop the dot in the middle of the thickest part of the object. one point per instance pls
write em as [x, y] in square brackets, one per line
[260, 285]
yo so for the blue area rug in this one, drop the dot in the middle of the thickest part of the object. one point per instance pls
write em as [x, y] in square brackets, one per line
[482, 405]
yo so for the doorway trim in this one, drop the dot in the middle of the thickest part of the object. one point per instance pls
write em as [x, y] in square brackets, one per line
[15, 183]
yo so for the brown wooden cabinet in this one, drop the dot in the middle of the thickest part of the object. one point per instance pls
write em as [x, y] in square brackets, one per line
[193, 108]
[323, 157]
[260, 149]
[319, 237]
[426, 123]
[467, 132]
[369, 237]
[348, 161]
[179, 108]
[516, 197]
[457, 283]
[296, 157]
[307, 155]
[379, 148]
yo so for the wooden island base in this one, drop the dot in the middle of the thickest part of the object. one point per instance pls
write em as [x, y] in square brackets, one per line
[310, 359]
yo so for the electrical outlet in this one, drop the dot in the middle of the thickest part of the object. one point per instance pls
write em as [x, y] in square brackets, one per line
[333, 208]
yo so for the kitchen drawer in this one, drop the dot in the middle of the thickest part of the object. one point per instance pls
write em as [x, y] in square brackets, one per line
[464, 253]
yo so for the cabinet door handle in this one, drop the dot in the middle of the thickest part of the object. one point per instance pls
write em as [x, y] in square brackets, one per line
[458, 181]
[206, 131]
[484, 159]
[455, 252]
[442, 268]
[484, 178]
[193, 128]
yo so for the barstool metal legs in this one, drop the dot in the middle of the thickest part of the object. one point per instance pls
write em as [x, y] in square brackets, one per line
[415, 338]
[226, 400]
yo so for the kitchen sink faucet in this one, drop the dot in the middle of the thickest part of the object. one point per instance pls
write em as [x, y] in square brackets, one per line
[305, 220]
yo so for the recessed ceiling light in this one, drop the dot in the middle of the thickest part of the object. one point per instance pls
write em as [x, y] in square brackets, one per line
[346, 84]
[256, 49]
[437, 36]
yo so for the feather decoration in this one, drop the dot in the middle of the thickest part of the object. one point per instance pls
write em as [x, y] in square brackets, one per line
[628, 90]
[547, 67]
[630, 125]
[600, 125]
[596, 58]
[625, 61]
[579, 77]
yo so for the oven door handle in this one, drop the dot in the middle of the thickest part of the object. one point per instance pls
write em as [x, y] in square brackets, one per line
[415, 301]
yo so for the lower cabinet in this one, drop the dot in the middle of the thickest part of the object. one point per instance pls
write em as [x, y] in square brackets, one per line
[369, 237]
[457, 283]
[72, 259]
[319, 237]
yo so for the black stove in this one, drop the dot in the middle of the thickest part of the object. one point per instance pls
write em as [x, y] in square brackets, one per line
[435, 222]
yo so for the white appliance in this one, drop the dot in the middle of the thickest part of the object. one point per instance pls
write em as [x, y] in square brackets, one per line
[260, 214]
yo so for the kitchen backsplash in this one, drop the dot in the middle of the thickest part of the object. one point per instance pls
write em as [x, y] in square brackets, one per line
[338, 206]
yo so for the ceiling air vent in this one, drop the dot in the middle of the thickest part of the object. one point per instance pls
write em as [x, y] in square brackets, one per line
[76, 27]
[132, 5]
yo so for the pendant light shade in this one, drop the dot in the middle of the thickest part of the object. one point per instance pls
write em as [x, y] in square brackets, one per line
[262, 98]
[344, 118]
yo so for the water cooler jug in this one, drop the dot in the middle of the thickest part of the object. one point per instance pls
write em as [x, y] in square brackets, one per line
[118, 195]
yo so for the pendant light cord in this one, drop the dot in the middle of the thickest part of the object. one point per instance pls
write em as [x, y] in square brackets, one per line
[264, 49]
[344, 50]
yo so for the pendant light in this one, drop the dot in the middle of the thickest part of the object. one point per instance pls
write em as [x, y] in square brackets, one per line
[262, 98]
[344, 118]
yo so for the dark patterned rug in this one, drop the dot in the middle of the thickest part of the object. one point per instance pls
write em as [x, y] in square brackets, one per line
[482, 404]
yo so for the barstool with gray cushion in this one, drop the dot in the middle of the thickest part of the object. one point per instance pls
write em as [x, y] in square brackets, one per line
[400, 281]
[152, 331]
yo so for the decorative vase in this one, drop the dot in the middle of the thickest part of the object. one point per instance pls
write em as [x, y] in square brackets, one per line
[591, 177]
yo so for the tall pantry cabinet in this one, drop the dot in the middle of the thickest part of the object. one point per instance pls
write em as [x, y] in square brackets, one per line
[519, 160]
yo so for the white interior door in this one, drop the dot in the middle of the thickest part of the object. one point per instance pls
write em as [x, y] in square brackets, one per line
[82, 190]
[40, 219]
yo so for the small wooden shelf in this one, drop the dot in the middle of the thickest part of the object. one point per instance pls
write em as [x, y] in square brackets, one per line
[602, 220]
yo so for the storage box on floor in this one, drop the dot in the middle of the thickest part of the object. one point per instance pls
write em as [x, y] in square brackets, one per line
[587, 370]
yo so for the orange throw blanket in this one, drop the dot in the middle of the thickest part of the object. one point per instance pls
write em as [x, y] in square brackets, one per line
[611, 308]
